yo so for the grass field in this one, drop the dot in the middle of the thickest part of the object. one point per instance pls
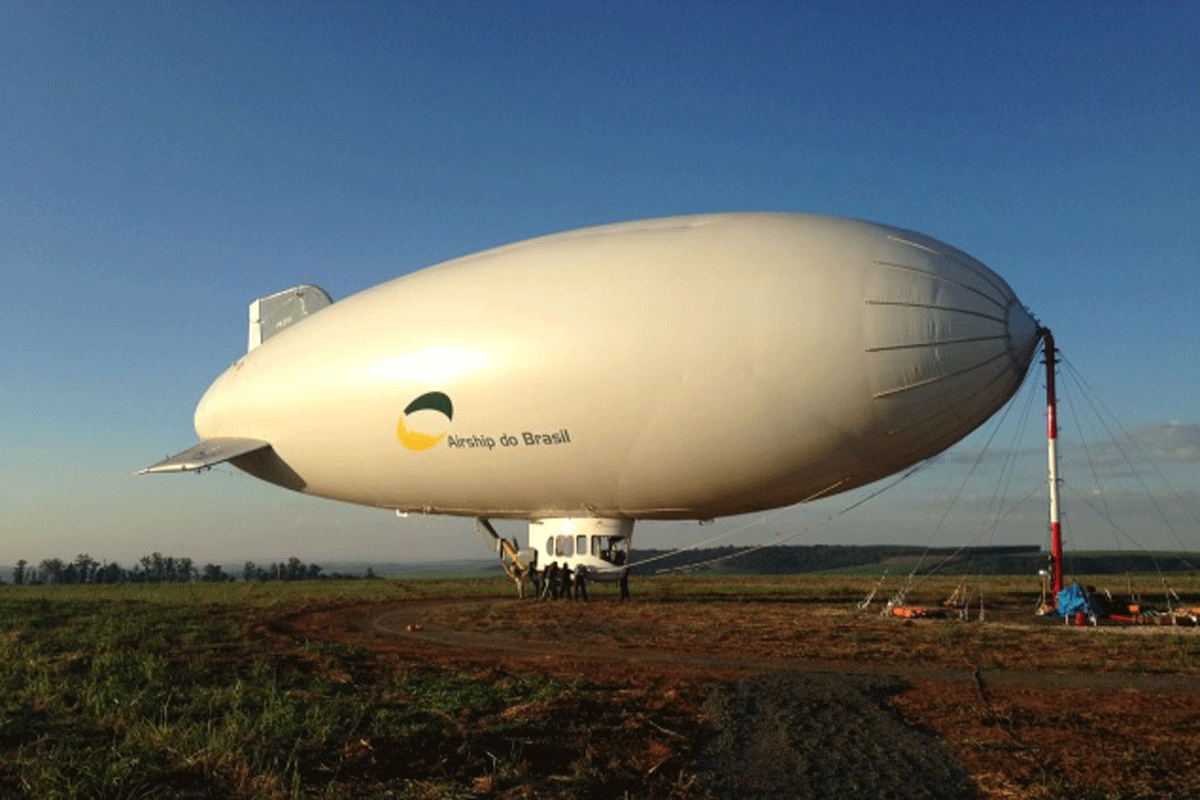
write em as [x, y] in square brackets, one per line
[181, 691]
[137, 691]
[201, 690]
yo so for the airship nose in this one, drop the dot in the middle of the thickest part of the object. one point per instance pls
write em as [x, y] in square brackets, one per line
[1023, 332]
[947, 341]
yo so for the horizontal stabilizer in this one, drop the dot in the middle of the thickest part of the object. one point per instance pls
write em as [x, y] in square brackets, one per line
[206, 454]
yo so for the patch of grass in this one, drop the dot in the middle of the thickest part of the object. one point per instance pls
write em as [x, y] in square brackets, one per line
[465, 693]
[132, 692]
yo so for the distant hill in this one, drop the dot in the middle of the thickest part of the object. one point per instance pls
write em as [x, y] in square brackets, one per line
[784, 560]
[875, 559]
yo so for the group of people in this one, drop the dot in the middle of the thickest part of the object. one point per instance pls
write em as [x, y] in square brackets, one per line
[557, 582]
[560, 582]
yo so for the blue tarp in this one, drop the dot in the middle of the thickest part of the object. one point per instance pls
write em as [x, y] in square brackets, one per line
[1075, 599]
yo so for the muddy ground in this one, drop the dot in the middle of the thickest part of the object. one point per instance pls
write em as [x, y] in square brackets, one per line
[764, 696]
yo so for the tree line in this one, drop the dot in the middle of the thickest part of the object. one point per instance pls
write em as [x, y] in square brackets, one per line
[158, 568]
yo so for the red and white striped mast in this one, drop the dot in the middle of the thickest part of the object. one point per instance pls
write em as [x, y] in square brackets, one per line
[1052, 459]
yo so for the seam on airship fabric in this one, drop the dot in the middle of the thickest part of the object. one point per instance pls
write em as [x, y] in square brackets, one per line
[937, 379]
[939, 277]
[936, 343]
[972, 267]
[937, 415]
[1001, 320]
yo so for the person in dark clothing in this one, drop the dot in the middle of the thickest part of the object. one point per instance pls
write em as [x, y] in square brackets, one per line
[565, 578]
[550, 581]
[624, 584]
[581, 582]
[535, 576]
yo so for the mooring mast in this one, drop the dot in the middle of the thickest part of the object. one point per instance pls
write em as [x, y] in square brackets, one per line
[1052, 459]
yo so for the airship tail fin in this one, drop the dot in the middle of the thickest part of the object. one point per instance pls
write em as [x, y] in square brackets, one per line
[271, 314]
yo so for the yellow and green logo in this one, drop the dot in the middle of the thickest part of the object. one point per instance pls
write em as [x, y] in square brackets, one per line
[424, 421]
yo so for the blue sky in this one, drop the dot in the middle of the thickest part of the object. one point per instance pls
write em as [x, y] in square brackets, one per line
[162, 164]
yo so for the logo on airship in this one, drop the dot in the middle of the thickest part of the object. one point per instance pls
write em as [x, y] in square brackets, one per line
[424, 421]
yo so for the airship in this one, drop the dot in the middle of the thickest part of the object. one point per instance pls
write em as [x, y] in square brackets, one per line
[680, 368]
